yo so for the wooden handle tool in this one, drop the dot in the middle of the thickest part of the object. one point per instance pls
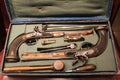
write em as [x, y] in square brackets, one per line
[87, 67]
[58, 65]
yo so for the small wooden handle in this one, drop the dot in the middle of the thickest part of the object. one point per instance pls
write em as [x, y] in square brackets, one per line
[87, 67]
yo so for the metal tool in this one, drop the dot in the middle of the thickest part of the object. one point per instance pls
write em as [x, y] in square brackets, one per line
[68, 27]
[58, 65]
[70, 46]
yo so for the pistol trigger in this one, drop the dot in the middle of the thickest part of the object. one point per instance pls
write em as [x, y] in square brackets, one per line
[75, 61]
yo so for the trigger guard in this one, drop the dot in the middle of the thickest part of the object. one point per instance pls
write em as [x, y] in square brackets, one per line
[31, 42]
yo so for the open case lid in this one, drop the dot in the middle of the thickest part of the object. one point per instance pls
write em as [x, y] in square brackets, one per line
[53, 10]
